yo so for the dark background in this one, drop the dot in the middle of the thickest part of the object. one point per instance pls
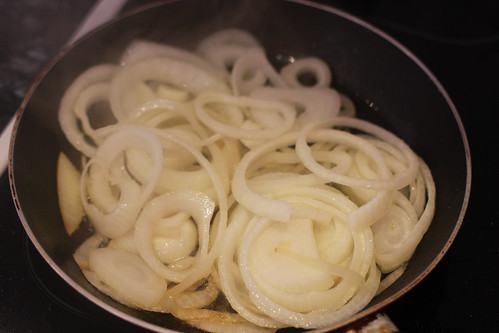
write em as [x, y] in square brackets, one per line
[459, 43]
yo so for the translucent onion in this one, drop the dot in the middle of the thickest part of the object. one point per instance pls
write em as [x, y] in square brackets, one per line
[216, 171]
[251, 71]
[92, 94]
[115, 218]
[402, 251]
[317, 104]
[67, 117]
[224, 46]
[178, 73]
[128, 275]
[285, 112]
[197, 205]
[277, 210]
[68, 187]
[401, 180]
[142, 49]
[296, 318]
[312, 66]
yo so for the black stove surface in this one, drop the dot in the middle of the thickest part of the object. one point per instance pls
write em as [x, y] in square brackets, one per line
[458, 41]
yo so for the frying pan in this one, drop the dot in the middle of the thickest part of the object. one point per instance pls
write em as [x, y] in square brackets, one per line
[388, 84]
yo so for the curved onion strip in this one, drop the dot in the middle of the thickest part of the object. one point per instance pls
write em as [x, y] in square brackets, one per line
[227, 37]
[318, 104]
[274, 268]
[163, 110]
[115, 217]
[128, 275]
[176, 72]
[203, 268]
[125, 242]
[94, 93]
[196, 204]
[68, 188]
[350, 140]
[347, 107]
[215, 321]
[253, 63]
[313, 66]
[230, 280]
[417, 194]
[100, 185]
[142, 49]
[81, 254]
[105, 289]
[139, 165]
[134, 136]
[298, 319]
[372, 211]
[339, 159]
[198, 298]
[278, 210]
[67, 117]
[397, 182]
[217, 171]
[155, 106]
[284, 110]
[275, 182]
[300, 299]
[223, 47]
[403, 253]
[172, 94]
[391, 278]
[174, 243]
[119, 220]
[225, 56]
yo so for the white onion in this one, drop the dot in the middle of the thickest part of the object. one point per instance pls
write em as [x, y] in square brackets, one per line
[217, 172]
[68, 187]
[178, 73]
[285, 112]
[128, 275]
[67, 117]
[312, 66]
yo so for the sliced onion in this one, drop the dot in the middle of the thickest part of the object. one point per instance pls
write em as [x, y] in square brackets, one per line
[113, 218]
[270, 261]
[82, 253]
[312, 66]
[223, 47]
[285, 111]
[251, 71]
[176, 72]
[227, 37]
[68, 188]
[143, 49]
[68, 119]
[398, 182]
[172, 243]
[128, 275]
[221, 169]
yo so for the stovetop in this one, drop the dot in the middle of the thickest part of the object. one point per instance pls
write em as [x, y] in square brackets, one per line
[458, 41]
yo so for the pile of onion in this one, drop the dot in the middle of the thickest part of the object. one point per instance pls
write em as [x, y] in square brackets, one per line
[217, 174]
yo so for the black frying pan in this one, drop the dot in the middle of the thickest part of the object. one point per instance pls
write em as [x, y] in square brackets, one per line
[389, 85]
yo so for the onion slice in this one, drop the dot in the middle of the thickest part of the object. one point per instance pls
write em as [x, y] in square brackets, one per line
[128, 275]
